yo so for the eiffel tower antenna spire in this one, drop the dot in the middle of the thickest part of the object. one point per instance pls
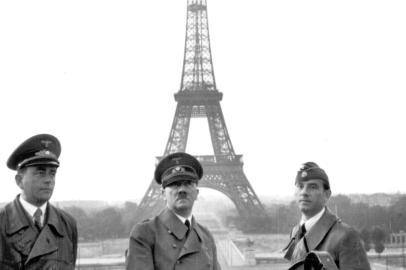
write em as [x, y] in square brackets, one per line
[198, 97]
[197, 73]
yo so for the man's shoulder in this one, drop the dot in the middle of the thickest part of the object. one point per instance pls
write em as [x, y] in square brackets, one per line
[146, 226]
[344, 233]
[341, 226]
[7, 208]
[3, 210]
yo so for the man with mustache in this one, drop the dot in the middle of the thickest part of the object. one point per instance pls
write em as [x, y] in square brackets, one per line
[33, 233]
[319, 229]
[174, 239]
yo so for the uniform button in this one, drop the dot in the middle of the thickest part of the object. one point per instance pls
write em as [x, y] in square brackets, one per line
[174, 246]
[178, 262]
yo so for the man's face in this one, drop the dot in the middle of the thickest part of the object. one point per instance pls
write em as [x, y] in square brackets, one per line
[37, 183]
[180, 196]
[311, 197]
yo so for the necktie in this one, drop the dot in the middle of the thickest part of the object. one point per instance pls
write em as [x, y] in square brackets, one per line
[302, 231]
[37, 218]
[187, 223]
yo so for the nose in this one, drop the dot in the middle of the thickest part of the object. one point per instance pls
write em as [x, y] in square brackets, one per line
[182, 188]
[49, 179]
[304, 190]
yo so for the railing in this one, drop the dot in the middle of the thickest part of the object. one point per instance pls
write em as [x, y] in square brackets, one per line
[229, 253]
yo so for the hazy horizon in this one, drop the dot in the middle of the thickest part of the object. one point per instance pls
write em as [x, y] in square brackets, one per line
[318, 81]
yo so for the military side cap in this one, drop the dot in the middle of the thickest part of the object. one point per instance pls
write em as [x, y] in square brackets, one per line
[42, 149]
[178, 167]
[311, 170]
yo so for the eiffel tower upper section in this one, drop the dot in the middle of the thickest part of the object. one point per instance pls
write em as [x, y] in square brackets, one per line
[198, 72]
[198, 95]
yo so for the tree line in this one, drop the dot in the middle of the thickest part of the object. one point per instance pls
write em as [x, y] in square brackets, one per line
[362, 216]
[116, 222]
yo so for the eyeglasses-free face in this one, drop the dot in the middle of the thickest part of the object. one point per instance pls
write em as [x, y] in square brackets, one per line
[180, 196]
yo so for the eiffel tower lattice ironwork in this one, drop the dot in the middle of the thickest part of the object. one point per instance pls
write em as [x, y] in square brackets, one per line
[198, 97]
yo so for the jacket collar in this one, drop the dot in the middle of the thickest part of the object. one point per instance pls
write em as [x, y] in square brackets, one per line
[18, 219]
[174, 225]
[319, 230]
[53, 220]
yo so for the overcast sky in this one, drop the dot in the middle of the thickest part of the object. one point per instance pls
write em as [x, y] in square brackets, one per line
[319, 81]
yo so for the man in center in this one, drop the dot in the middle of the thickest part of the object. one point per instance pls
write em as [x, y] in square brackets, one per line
[174, 239]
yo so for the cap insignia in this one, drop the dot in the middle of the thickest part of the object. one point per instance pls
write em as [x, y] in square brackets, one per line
[46, 143]
[177, 159]
[178, 169]
[304, 174]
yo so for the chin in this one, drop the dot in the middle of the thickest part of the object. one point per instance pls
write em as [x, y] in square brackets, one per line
[183, 207]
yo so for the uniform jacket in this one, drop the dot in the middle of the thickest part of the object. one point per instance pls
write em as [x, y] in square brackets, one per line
[162, 244]
[331, 235]
[22, 246]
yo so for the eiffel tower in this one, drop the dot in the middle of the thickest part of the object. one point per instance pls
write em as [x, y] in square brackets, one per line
[198, 97]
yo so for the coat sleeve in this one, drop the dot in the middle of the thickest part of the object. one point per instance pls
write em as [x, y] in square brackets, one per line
[352, 255]
[75, 241]
[139, 255]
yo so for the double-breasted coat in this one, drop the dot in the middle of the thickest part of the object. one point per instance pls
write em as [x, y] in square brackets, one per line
[23, 246]
[331, 235]
[162, 243]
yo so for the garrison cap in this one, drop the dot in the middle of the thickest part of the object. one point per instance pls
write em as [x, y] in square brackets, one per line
[178, 167]
[41, 149]
[311, 170]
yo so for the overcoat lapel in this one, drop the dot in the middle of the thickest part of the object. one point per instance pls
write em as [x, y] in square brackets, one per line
[47, 241]
[291, 245]
[18, 222]
[173, 224]
[313, 238]
[319, 231]
[193, 241]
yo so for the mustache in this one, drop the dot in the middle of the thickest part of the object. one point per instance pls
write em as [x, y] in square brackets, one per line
[182, 195]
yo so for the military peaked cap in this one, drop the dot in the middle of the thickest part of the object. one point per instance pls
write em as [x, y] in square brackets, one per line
[311, 170]
[42, 149]
[178, 167]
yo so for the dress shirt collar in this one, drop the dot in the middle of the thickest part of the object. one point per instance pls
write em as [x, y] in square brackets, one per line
[32, 208]
[183, 219]
[311, 221]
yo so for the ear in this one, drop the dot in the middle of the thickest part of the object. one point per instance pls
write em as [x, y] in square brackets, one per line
[163, 193]
[328, 193]
[19, 180]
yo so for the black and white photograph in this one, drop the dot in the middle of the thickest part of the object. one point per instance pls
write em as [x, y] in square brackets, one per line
[203, 134]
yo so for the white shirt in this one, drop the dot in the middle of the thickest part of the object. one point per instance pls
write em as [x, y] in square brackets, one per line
[183, 219]
[311, 221]
[32, 208]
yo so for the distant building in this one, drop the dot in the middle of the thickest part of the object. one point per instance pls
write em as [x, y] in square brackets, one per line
[397, 239]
